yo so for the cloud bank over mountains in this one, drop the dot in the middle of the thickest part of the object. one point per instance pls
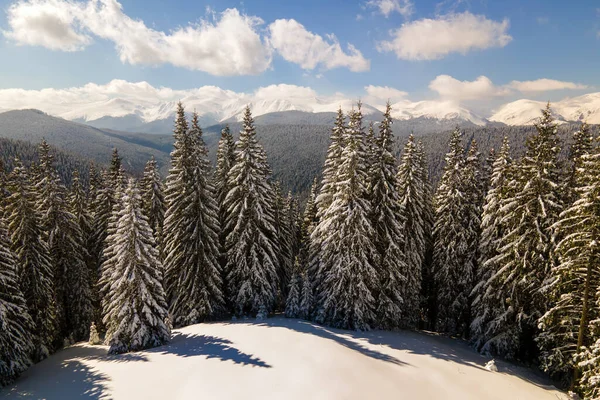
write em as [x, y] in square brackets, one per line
[119, 98]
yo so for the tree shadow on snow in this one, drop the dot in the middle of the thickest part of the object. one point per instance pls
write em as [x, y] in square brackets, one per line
[62, 376]
[413, 342]
[344, 338]
[186, 345]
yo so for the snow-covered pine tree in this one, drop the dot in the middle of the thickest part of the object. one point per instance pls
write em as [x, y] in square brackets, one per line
[348, 256]
[388, 236]
[252, 247]
[582, 144]
[309, 218]
[325, 197]
[94, 339]
[588, 361]
[80, 276]
[371, 143]
[192, 272]
[66, 244]
[135, 306]
[295, 222]
[15, 322]
[153, 199]
[284, 239]
[115, 170]
[306, 225]
[103, 204]
[526, 250]
[294, 297]
[306, 296]
[574, 282]
[453, 271]
[486, 171]
[34, 267]
[488, 303]
[473, 189]
[412, 202]
[333, 161]
[428, 300]
[225, 160]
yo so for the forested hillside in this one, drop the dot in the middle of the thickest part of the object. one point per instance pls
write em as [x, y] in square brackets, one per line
[66, 163]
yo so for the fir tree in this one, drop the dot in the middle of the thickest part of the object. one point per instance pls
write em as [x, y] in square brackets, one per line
[428, 299]
[411, 199]
[252, 249]
[473, 190]
[488, 303]
[332, 164]
[526, 249]
[153, 199]
[225, 160]
[388, 238]
[283, 228]
[582, 145]
[192, 273]
[452, 264]
[34, 267]
[293, 302]
[94, 339]
[575, 281]
[66, 244]
[348, 257]
[306, 296]
[135, 306]
[15, 322]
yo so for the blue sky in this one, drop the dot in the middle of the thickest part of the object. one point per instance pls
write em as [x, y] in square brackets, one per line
[528, 41]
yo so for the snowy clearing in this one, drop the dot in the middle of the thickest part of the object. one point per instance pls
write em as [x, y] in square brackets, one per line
[281, 358]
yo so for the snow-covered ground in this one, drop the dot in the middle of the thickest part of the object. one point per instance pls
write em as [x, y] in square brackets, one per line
[277, 359]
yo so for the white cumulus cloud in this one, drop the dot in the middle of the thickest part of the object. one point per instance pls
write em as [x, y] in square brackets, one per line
[387, 7]
[432, 39]
[227, 45]
[543, 85]
[378, 95]
[451, 88]
[53, 24]
[298, 45]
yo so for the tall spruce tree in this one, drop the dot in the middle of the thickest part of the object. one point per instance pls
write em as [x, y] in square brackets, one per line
[474, 186]
[80, 296]
[192, 272]
[325, 197]
[582, 145]
[153, 199]
[452, 257]
[488, 303]
[284, 237]
[428, 299]
[34, 266]
[252, 247]
[412, 202]
[348, 257]
[294, 297]
[388, 233]
[135, 306]
[225, 160]
[526, 250]
[574, 282]
[15, 322]
[333, 161]
[66, 244]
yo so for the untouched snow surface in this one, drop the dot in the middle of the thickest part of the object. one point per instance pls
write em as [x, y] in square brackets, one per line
[279, 358]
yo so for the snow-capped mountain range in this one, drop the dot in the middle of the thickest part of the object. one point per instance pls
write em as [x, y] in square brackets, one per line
[140, 107]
